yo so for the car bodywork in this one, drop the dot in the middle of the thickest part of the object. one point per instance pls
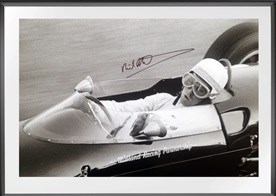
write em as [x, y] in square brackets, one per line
[216, 139]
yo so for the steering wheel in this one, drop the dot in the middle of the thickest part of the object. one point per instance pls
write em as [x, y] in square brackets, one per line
[99, 103]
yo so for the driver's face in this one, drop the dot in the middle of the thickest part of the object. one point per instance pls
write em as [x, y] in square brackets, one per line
[188, 97]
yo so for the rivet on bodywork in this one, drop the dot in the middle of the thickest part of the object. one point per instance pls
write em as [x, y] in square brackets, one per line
[49, 140]
[115, 141]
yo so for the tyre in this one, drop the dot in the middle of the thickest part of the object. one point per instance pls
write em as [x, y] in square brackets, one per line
[238, 44]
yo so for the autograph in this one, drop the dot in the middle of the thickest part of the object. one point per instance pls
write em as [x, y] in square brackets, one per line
[148, 60]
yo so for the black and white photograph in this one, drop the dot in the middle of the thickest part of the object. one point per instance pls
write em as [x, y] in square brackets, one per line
[161, 95]
[138, 97]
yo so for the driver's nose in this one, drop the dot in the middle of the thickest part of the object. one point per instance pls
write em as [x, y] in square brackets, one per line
[188, 91]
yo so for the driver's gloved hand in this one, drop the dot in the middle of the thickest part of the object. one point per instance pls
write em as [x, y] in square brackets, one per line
[139, 124]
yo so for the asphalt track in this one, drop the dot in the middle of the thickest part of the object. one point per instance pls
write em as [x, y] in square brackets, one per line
[57, 54]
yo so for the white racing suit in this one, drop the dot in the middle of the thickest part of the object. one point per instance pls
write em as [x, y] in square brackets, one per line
[159, 101]
[145, 121]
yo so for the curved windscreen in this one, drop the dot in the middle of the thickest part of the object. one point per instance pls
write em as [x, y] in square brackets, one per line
[75, 120]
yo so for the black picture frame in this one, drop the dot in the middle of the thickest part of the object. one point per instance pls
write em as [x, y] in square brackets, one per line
[3, 4]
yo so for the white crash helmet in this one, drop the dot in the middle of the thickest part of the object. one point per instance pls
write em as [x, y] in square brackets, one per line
[213, 72]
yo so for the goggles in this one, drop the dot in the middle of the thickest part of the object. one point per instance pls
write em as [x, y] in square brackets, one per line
[200, 89]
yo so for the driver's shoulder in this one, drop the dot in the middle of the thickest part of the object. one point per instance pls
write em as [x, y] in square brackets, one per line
[162, 96]
[158, 98]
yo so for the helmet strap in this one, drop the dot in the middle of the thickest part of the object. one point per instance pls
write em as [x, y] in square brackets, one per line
[176, 99]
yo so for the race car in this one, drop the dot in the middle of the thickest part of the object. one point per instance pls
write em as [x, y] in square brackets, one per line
[215, 139]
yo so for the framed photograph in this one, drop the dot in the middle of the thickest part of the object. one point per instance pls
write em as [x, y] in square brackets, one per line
[175, 98]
